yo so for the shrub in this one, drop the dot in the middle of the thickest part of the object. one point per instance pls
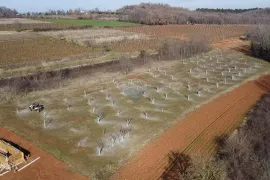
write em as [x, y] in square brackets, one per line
[246, 155]
[183, 49]
[260, 41]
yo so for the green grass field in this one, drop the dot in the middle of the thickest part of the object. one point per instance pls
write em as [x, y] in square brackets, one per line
[95, 23]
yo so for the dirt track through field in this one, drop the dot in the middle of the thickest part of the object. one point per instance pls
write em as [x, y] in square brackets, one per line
[197, 132]
[45, 168]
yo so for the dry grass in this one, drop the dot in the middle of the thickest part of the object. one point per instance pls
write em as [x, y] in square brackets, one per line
[94, 36]
[14, 36]
[137, 45]
[20, 20]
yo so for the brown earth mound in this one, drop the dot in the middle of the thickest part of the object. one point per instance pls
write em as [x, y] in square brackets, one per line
[196, 133]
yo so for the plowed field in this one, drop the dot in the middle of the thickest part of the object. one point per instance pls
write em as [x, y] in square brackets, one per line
[197, 132]
[47, 167]
[212, 32]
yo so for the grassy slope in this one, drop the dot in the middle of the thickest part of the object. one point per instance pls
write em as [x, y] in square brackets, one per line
[95, 23]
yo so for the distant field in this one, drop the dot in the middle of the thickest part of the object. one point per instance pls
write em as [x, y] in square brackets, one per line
[95, 23]
[211, 32]
[37, 49]
[96, 37]
[19, 20]
[115, 40]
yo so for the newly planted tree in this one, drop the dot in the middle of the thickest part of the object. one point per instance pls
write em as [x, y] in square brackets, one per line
[187, 96]
[100, 147]
[100, 116]
[198, 92]
[119, 110]
[128, 121]
[90, 101]
[145, 113]
[152, 99]
[165, 95]
[113, 140]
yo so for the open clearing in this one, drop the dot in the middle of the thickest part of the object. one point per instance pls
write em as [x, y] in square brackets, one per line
[94, 23]
[211, 32]
[196, 133]
[98, 122]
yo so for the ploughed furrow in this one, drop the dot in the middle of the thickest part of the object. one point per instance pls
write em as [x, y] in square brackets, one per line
[196, 133]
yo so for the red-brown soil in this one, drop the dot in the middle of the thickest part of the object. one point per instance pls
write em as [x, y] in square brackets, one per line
[197, 132]
[232, 44]
[46, 168]
[212, 32]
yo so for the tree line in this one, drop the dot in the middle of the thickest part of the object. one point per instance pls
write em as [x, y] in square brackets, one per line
[7, 12]
[218, 10]
[163, 14]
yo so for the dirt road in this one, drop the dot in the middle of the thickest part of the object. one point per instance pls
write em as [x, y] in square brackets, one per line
[197, 132]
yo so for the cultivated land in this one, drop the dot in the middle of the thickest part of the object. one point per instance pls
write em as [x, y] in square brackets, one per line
[94, 23]
[33, 48]
[211, 32]
[97, 123]
[197, 132]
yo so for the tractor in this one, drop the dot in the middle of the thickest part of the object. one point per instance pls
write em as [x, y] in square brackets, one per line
[36, 107]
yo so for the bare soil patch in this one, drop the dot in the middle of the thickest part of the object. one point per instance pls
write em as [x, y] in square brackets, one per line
[196, 133]
[47, 167]
[37, 49]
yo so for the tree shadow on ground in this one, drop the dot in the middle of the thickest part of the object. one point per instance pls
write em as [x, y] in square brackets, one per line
[245, 49]
[179, 164]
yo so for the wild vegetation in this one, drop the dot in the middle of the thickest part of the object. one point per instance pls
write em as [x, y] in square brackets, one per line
[7, 12]
[218, 10]
[163, 14]
[260, 41]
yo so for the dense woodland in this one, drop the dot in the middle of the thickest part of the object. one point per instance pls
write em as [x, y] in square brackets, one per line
[226, 10]
[260, 41]
[7, 12]
[162, 14]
